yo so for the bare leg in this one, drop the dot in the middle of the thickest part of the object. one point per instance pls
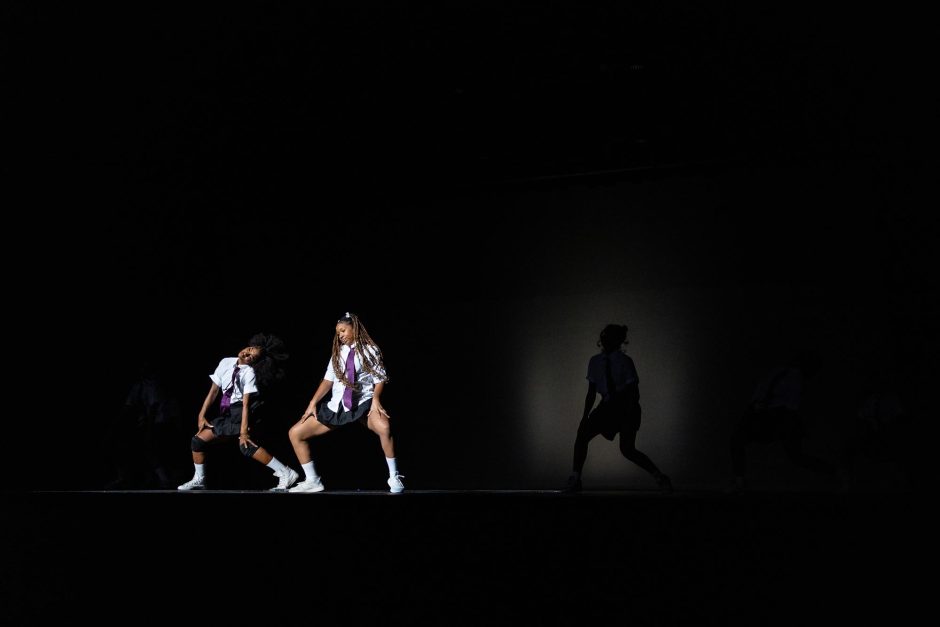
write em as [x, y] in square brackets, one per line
[381, 426]
[303, 431]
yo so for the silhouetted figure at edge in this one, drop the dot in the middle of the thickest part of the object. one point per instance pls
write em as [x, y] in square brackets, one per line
[874, 451]
[774, 414]
[612, 374]
[139, 437]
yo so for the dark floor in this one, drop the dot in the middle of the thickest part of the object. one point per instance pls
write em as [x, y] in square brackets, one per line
[484, 558]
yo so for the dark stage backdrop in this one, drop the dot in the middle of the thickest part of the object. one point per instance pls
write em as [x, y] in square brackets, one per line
[488, 305]
[487, 187]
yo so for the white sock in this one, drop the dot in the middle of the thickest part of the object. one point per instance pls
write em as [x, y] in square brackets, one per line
[310, 473]
[200, 471]
[392, 466]
[276, 466]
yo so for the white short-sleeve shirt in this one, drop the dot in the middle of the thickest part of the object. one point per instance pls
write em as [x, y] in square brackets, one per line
[244, 382]
[366, 380]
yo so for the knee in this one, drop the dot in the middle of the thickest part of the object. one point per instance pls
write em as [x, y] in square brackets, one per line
[381, 427]
[198, 445]
[627, 450]
[294, 434]
[247, 449]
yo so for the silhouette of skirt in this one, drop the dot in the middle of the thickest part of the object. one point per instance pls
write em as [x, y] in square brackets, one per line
[329, 417]
[615, 417]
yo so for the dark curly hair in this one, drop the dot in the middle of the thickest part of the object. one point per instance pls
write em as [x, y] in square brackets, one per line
[268, 368]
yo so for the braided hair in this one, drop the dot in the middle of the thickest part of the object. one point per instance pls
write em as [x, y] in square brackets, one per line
[372, 361]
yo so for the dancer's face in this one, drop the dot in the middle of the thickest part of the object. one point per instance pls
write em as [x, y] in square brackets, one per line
[344, 332]
[249, 355]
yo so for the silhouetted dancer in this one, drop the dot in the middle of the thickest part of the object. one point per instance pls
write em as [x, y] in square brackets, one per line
[774, 415]
[139, 436]
[877, 437]
[612, 374]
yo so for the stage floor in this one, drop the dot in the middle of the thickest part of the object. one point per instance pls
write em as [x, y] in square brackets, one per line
[482, 557]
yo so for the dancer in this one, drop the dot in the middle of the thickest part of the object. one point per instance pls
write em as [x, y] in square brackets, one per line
[240, 379]
[355, 378]
[612, 374]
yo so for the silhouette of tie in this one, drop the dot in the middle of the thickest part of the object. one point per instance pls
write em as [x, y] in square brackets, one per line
[227, 394]
[351, 376]
[611, 386]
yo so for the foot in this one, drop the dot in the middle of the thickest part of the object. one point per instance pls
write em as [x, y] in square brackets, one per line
[395, 484]
[285, 479]
[574, 483]
[309, 485]
[196, 483]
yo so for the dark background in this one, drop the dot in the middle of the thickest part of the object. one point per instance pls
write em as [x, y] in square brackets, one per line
[487, 185]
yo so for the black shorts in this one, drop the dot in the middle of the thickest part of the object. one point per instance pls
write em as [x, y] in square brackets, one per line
[344, 417]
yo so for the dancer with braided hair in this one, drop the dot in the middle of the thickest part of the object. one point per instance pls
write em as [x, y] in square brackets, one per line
[241, 380]
[355, 378]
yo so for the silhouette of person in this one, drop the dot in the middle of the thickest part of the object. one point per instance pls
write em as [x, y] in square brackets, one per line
[774, 414]
[612, 374]
[877, 435]
[240, 379]
[140, 434]
[349, 392]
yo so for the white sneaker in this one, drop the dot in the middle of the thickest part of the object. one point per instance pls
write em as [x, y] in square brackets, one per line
[308, 485]
[394, 482]
[285, 479]
[196, 483]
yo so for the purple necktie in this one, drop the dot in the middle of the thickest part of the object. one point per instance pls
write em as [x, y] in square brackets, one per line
[351, 375]
[227, 394]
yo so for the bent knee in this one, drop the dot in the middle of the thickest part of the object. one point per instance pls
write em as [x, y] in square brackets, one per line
[295, 433]
[380, 426]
